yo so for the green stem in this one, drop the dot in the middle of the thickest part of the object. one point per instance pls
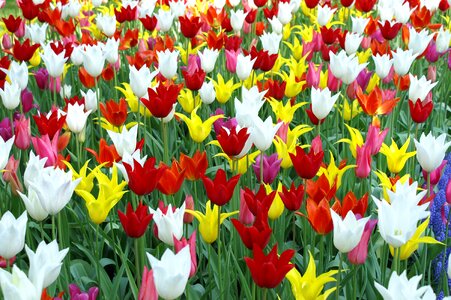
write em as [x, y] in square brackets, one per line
[98, 254]
[443, 270]
[137, 262]
[261, 167]
[396, 260]
[340, 267]
[219, 253]
[53, 228]
[165, 142]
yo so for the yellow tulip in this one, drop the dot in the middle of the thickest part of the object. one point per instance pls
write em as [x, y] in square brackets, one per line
[363, 56]
[198, 129]
[406, 250]
[132, 100]
[355, 140]
[188, 101]
[109, 194]
[191, 51]
[87, 181]
[332, 172]
[396, 157]
[387, 184]
[36, 58]
[285, 112]
[208, 222]
[223, 89]
[253, 79]
[297, 67]
[240, 166]
[296, 48]
[374, 81]
[277, 206]
[293, 87]
[305, 31]
[284, 149]
[349, 112]
[108, 126]
[309, 286]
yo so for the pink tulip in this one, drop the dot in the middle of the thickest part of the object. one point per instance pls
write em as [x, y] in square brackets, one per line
[46, 148]
[2, 3]
[189, 202]
[283, 131]
[432, 73]
[10, 175]
[231, 58]
[375, 138]
[179, 245]
[358, 255]
[245, 216]
[332, 82]
[21, 31]
[22, 131]
[448, 192]
[435, 175]
[313, 75]
[6, 42]
[363, 161]
[147, 291]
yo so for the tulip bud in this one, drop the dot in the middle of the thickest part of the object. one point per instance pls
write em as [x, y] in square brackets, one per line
[6, 42]
[22, 132]
[188, 218]
[245, 216]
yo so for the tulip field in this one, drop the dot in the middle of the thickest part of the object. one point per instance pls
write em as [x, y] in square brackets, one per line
[225, 149]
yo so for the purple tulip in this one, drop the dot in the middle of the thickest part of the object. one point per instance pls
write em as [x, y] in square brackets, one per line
[271, 167]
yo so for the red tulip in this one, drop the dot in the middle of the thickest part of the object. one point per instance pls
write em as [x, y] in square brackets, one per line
[126, 14]
[232, 141]
[115, 113]
[292, 198]
[135, 223]
[258, 200]
[143, 179]
[29, 9]
[25, 51]
[220, 190]
[311, 3]
[364, 5]
[162, 99]
[420, 111]
[149, 22]
[259, 233]
[11, 23]
[269, 270]
[388, 30]
[307, 165]
[194, 79]
[190, 26]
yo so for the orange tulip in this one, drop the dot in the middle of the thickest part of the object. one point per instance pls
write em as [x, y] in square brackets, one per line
[171, 180]
[107, 154]
[373, 104]
[194, 167]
